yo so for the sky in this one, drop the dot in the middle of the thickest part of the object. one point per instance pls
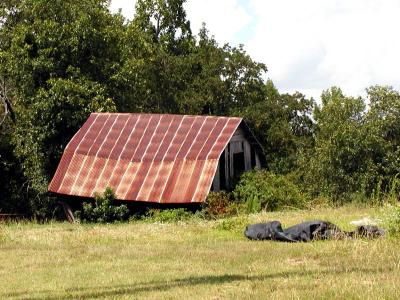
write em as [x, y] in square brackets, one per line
[310, 45]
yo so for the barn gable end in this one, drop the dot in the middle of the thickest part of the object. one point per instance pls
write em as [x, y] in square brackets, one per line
[242, 153]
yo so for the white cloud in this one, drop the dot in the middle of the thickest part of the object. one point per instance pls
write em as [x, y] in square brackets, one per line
[127, 7]
[307, 45]
[312, 45]
[224, 18]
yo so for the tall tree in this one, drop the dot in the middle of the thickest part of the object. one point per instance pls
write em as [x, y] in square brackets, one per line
[156, 58]
[57, 57]
[165, 22]
[283, 124]
[382, 122]
[336, 165]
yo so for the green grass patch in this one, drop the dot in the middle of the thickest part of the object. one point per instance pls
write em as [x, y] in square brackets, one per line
[195, 259]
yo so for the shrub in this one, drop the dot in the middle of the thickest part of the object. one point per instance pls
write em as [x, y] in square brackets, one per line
[168, 215]
[393, 194]
[219, 204]
[262, 190]
[103, 210]
[385, 191]
[393, 219]
[321, 202]
[236, 224]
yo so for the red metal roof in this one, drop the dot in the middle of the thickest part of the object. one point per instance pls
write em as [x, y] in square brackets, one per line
[144, 157]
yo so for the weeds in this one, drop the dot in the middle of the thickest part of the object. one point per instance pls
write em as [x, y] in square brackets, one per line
[221, 204]
[262, 190]
[394, 190]
[168, 215]
[392, 219]
[233, 224]
[103, 210]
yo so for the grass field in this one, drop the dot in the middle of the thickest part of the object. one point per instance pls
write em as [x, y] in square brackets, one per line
[195, 260]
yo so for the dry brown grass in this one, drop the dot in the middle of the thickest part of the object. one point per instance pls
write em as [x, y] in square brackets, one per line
[194, 260]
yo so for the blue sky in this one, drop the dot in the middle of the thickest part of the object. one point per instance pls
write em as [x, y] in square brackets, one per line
[308, 45]
[247, 31]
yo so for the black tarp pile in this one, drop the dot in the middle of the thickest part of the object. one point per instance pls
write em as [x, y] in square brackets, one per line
[308, 231]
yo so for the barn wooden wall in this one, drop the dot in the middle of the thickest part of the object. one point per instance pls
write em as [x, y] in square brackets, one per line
[239, 143]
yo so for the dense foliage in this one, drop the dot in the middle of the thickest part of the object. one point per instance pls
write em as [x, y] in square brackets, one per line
[263, 190]
[61, 60]
[167, 215]
[393, 220]
[356, 150]
[103, 210]
[220, 204]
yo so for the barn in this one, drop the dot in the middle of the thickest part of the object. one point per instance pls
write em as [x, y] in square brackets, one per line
[160, 158]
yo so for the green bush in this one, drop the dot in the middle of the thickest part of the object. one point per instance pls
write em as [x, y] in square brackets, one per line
[262, 190]
[393, 194]
[220, 204]
[385, 191]
[168, 215]
[236, 224]
[103, 210]
[393, 219]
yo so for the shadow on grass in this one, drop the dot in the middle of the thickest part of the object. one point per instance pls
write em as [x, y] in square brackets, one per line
[132, 289]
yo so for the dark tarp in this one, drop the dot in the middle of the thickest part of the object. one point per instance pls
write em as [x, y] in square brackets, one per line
[307, 231]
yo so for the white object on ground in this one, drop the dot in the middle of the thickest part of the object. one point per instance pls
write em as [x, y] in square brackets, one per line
[365, 221]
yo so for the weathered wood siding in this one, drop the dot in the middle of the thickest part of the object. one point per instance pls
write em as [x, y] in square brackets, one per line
[237, 146]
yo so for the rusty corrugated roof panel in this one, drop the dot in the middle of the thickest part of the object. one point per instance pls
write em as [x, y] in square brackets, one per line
[144, 157]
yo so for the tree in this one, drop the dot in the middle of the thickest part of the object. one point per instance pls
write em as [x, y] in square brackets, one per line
[164, 21]
[338, 162]
[12, 192]
[223, 80]
[156, 58]
[57, 57]
[282, 123]
[382, 122]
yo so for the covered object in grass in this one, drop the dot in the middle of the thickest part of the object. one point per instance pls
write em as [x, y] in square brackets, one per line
[307, 231]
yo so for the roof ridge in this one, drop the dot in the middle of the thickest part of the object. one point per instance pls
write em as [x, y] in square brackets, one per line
[164, 114]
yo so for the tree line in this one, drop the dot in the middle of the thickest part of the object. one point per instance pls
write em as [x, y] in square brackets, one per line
[61, 60]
